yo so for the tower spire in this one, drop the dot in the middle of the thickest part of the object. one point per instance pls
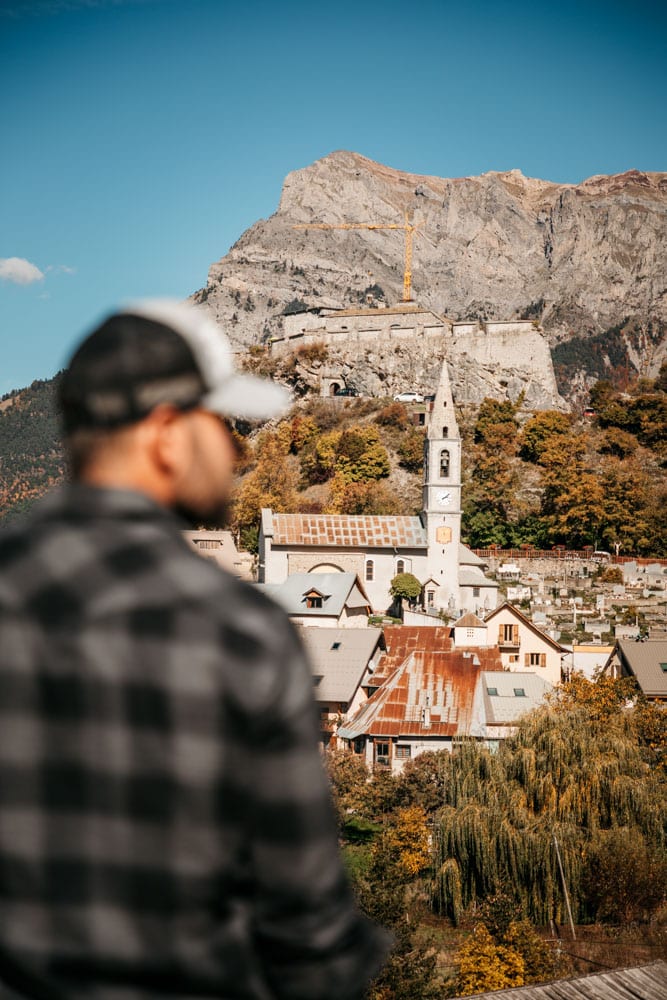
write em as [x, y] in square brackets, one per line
[442, 418]
[441, 508]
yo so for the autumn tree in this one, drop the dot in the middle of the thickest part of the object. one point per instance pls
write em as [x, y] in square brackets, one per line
[540, 959]
[411, 450]
[349, 779]
[356, 454]
[626, 879]
[406, 841]
[369, 497]
[272, 483]
[539, 430]
[397, 858]
[488, 495]
[423, 779]
[619, 443]
[483, 965]
[574, 772]
[394, 415]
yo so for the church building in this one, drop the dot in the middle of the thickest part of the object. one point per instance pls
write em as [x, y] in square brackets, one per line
[377, 547]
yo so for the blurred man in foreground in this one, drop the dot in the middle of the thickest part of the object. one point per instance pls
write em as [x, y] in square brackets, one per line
[165, 823]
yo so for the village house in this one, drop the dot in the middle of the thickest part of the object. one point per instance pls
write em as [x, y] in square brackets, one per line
[343, 661]
[643, 659]
[325, 600]
[221, 548]
[523, 646]
[469, 630]
[426, 694]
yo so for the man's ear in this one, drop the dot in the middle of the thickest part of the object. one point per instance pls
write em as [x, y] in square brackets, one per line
[164, 432]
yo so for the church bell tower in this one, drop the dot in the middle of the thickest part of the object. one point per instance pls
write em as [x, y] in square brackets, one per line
[441, 504]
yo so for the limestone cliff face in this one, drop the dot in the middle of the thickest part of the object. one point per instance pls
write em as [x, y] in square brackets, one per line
[581, 259]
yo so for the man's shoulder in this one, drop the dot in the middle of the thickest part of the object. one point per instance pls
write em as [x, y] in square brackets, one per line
[241, 606]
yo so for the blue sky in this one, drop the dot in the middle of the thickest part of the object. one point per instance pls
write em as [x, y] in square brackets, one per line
[140, 138]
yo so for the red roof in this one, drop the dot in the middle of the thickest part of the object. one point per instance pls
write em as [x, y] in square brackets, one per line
[426, 688]
[349, 531]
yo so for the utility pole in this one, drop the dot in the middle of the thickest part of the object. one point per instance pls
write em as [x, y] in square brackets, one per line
[565, 892]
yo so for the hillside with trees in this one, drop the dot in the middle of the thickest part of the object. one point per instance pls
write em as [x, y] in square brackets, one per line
[31, 454]
[547, 479]
[539, 478]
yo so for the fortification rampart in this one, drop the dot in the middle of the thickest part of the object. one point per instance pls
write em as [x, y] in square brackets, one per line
[382, 351]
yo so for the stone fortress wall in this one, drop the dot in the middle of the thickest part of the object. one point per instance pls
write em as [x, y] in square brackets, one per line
[383, 351]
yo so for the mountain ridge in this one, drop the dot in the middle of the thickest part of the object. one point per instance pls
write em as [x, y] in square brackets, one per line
[581, 259]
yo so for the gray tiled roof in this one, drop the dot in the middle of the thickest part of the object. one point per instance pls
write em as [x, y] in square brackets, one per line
[506, 706]
[472, 576]
[337, 590]
[643, 659]
[468, 558]
[339, 656]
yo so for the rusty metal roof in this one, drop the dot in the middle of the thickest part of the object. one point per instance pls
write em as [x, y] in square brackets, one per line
[349, 531]
[426, 688]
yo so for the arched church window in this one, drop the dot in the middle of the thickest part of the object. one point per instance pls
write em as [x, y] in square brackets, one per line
[445, 432]
[444, 463]
[369, 569]
[400, 566]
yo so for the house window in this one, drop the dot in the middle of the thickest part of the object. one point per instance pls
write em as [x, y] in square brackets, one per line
[514, 657]
[430, 598]
[400, 566]
[470, 633]
[492, 691]
[359, 745]
[520, 692]
[335, 645]
[663, 667]
[508, 635]
[313, 602]
[403, 752]
[475, 591]
[382, 754]
[444, 463]
[369, 569]
[535, 660]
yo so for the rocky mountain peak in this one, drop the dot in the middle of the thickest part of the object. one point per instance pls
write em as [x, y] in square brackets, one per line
[578, 259]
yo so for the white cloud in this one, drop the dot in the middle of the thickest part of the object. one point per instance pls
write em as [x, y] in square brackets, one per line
[19, 270]
[60, 269]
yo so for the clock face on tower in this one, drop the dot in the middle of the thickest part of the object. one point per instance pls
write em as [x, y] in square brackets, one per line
[443, 498]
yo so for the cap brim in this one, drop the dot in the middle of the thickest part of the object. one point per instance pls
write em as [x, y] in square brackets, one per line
[248, 397]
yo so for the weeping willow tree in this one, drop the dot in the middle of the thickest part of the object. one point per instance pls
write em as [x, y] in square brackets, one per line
[564, 775]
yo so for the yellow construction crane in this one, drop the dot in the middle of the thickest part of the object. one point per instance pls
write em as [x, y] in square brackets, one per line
[408, 228]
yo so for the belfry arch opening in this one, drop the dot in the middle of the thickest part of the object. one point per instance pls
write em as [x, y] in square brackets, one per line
[444, 463]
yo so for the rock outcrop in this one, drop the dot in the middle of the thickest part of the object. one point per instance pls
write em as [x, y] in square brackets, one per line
[580, 259]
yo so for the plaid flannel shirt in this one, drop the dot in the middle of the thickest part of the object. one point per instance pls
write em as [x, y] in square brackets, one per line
[165, 823]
